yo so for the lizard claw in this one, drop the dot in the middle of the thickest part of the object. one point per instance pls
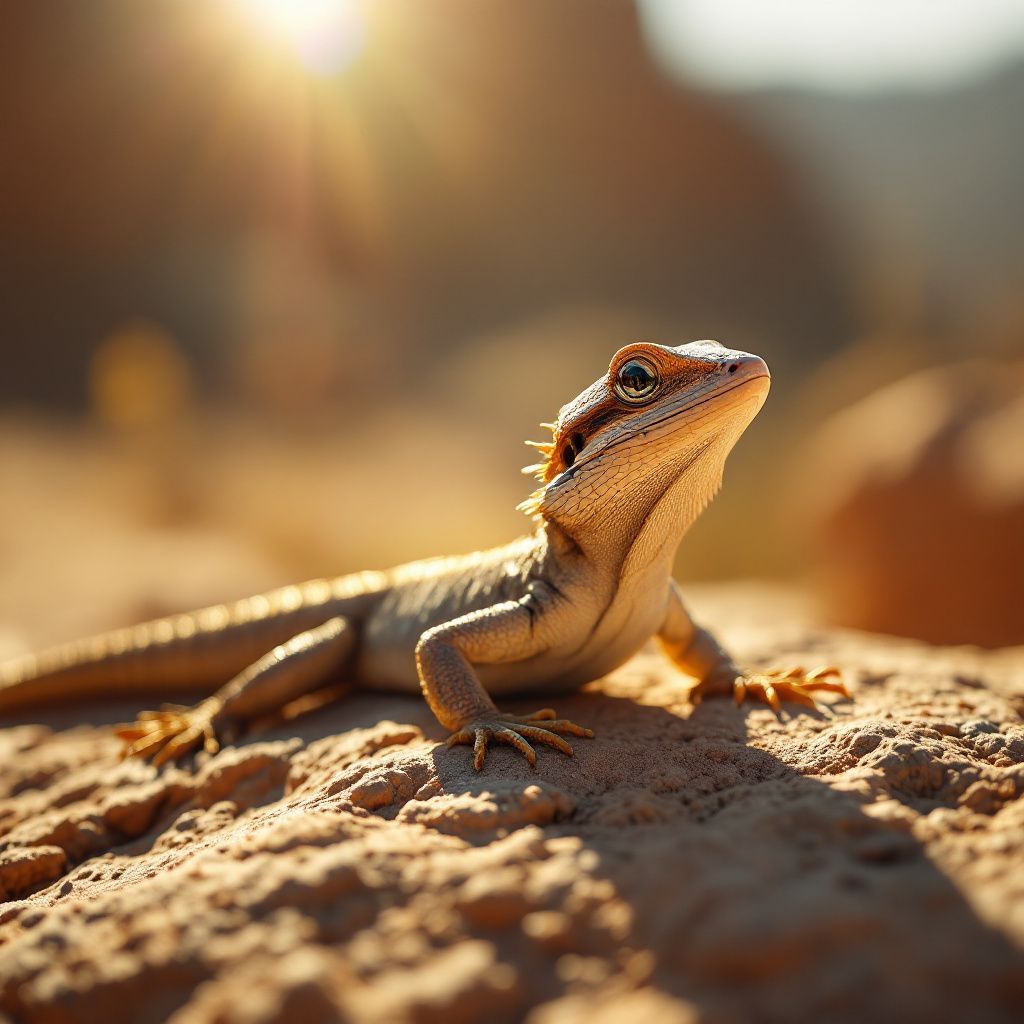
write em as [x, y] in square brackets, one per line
[169, 734]
[516, 731]
[776, 685]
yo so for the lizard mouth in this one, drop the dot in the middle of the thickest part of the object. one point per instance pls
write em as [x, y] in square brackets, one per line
[641, 430]
[710, 396]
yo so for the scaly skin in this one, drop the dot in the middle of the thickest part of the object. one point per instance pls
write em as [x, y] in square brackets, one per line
[632, 462]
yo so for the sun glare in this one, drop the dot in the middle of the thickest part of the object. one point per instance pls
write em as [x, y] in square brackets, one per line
[326, 36]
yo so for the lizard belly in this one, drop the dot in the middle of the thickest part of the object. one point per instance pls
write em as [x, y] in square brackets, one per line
[622, 631]
[594, 641]
[387, 656]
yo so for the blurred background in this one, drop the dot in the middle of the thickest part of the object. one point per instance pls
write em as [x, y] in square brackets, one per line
[285, 283]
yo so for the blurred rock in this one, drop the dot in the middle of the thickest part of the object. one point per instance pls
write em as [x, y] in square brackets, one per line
[714, 864]
[448, 184]
[919, 490]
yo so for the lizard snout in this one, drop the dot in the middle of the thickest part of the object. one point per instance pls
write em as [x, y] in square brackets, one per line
[746, 366]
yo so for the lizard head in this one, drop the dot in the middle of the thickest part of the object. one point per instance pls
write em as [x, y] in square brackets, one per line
[660, 415]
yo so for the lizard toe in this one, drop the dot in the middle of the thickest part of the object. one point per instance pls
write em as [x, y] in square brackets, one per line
[514, 738]
[538, 716]
[178, 746]
[143, 746]
[462, 736]
[563, 725]
[480, 738]
[539, 735]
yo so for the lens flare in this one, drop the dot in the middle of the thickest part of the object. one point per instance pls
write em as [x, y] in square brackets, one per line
[326, 36]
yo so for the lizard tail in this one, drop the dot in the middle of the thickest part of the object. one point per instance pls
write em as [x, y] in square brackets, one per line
[194, 653]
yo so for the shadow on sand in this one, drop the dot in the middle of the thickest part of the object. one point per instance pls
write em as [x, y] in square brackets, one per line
[764, 894]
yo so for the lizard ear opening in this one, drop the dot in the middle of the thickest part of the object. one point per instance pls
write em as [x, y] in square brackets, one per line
[577, 442]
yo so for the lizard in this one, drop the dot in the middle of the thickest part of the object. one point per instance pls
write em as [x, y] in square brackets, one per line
[631, 463]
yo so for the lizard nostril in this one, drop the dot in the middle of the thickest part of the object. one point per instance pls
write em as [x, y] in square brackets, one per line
[734, 367]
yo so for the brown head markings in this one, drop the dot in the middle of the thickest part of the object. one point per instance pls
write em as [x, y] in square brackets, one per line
[600, 405]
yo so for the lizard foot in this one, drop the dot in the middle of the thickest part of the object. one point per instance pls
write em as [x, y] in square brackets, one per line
[516, 730]
[774, 686]
[169, 733]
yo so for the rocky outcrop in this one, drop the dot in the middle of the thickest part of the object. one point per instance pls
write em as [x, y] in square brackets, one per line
[921, 488]
[713, 863]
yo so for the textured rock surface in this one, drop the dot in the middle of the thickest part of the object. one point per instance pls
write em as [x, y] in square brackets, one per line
[712, 863]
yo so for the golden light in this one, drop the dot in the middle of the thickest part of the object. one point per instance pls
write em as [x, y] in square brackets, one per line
[326, 36]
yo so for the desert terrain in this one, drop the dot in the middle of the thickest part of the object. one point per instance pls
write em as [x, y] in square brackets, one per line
[711, 863]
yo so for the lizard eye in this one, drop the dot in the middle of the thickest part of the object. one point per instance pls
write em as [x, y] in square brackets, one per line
[636, 381]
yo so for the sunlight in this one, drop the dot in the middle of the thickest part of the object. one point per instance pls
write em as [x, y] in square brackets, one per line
[325, 35]
[843, 44]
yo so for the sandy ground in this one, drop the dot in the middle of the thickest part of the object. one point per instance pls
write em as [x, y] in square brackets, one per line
[714, 864]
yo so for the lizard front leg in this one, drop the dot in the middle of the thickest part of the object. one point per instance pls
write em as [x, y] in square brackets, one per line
[444, 659]
[304, 663]
[698, 654]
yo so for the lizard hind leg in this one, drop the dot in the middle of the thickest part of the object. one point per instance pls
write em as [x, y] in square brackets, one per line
[309, 661]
